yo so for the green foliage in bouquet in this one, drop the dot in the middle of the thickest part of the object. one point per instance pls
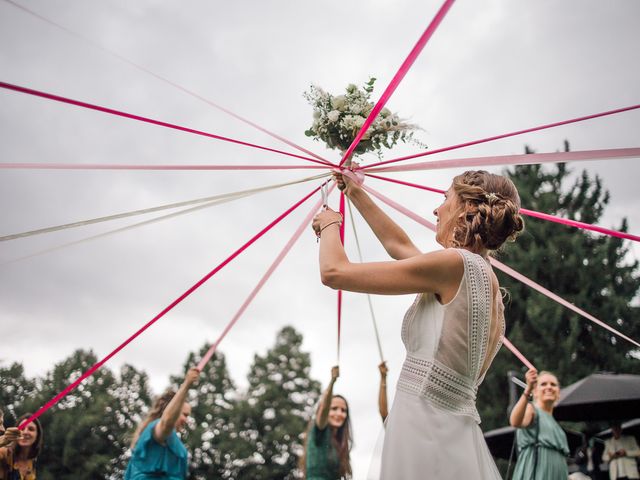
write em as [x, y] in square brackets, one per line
[337, 120]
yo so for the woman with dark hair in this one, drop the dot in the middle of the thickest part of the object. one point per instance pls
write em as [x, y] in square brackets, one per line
[453, 329]
[158, 452]
[542, 444]
[329, 437]
[18, 461]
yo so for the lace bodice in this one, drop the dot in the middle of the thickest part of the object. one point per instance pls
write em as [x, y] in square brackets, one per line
[450, 347]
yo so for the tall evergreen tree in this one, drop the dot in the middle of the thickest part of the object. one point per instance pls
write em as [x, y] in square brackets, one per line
[590, 270]
[212, 435]
[276, 411]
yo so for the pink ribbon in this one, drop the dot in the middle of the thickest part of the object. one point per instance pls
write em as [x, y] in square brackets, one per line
[539, 288]
[193, 288]
[524, 159]
[167, 81]
[532, 213]
[93, 166]
[505, 135]
[294, 238]
[402, 71]
[131, 116]
[413, 216]
[584, 226]
[517, 353]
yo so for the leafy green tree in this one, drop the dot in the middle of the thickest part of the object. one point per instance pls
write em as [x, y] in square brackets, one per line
[212, 434]
[85, 432]
[129, 398]
[278, 406]
[590, 270]
[15, 388]
[73, 442]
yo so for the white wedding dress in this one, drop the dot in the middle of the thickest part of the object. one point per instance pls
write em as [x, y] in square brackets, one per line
[432, 430]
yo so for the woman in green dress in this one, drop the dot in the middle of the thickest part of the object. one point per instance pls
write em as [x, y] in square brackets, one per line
[329, 438]
[542, 444]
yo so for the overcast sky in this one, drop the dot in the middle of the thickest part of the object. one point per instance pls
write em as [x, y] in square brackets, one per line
[492, 67]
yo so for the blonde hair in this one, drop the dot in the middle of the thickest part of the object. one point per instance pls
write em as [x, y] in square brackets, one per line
[489, 212]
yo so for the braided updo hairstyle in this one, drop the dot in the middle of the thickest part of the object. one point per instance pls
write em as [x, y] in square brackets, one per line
[489, 210]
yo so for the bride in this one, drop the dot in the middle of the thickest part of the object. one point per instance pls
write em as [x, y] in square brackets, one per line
[451, 332]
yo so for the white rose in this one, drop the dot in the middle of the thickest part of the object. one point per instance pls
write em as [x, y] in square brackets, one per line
[333, 116]
[338, 102]
[359, 121]
[349, 122]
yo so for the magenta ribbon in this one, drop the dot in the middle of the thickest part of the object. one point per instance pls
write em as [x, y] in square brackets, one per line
[167, 81]
[94, 166]
[408, 184]
[532, 213]
[342, 225]
[193, 288]
[294, 238]
[505, 135]
[397, 78]
[523, 159]
[152, 121]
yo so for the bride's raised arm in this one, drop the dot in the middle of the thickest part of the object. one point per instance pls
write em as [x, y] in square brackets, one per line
[393, 238]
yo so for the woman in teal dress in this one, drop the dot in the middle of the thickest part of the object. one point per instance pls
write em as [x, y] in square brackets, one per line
[158, 452]
[542, 444]
[329, 438]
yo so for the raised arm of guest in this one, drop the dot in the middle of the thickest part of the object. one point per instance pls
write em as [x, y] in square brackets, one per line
[10, 435]
[322, 418]
[523, 412]
[177, 408]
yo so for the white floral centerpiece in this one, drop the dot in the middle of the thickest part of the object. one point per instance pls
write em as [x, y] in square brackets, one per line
[337, 120]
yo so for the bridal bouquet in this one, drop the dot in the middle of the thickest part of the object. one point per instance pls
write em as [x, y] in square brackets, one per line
[337, 120]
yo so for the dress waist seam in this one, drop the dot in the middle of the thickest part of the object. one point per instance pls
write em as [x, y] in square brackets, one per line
[440, 386]
[547, 447]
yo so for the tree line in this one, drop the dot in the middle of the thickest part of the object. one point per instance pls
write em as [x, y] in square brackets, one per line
[253, 434]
